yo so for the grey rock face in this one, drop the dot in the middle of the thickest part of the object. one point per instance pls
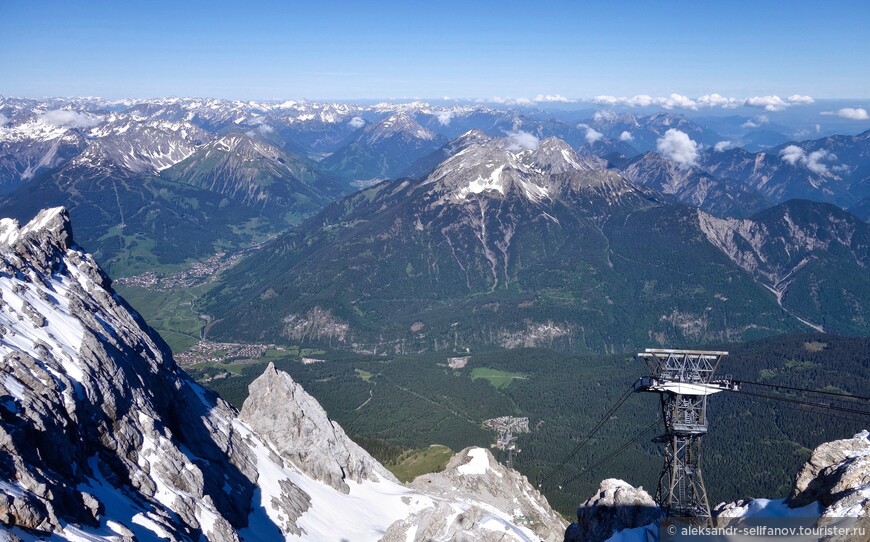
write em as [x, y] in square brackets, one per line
[21, 160]
[294, 423]
[90, 393]
[691, 185]
[615, 507]
[474, 474]
[554, 156]
[838, 476]
[445, 522]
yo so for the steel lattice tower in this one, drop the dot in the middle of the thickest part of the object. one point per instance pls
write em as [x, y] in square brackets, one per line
[683, 379]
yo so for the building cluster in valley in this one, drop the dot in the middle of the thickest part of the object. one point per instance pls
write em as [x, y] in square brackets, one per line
[214, 352]
[198, 273]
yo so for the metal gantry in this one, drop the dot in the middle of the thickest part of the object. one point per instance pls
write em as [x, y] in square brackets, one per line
[507, 441]
[683, 379]
[506, 426]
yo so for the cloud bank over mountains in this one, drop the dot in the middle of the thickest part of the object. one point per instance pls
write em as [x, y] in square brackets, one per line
[850, 113]
[679, 101]
[769, 103]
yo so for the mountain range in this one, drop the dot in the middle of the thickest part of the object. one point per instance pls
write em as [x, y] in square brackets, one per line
[508, 246]
[832, 169]
[579, 230]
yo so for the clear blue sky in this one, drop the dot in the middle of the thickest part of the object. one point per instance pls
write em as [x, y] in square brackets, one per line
[344, 50]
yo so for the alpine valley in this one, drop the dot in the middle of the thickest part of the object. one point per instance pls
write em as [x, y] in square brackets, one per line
[319, 311]
[504, 246]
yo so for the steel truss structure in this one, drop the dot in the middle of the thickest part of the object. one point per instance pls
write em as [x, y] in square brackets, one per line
[683, 379]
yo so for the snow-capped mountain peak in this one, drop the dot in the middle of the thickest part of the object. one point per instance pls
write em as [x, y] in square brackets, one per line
[242, 146]
[54, 221]
[471, 136]
[549, 172]
[401, 123]
[482, 168]
[554, 156]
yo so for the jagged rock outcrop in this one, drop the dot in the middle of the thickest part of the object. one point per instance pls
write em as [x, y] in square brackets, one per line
[837, 475]
[296, 426]
[616, 506]
[474, 474]
[91, 398]
[694, 186]
[450, 522]
[831, 491]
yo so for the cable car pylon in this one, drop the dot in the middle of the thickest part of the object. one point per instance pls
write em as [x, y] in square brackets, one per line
[683, 379]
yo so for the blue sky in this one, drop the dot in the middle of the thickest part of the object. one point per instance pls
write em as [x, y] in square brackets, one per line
[346, 50]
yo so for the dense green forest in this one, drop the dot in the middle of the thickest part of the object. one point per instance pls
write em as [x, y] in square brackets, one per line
[754, 447]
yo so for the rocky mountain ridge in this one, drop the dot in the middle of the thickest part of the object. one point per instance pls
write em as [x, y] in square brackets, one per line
[788, 248]
[831, 169]
[693, 186]
[256, 174]
[106, 438]
[383, 150]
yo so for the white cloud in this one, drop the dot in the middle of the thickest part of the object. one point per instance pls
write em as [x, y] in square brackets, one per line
[511, 101]
[607, 100]
[792, 154]
[71, 119]
[723, 146]
[553, 98]
[769, 103]
[604, 116]
[775, 103]
[641, 100]
[520, 140]
[795, 156]
[717, 100]
[814, 161]
[678, 100]
[760, 120]
[444, 117]
[265, 129]
[851, 113]
[356, 122]
[3, 120]
[677, 146]
[644, 100]
[592, 135]
[626, 136]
